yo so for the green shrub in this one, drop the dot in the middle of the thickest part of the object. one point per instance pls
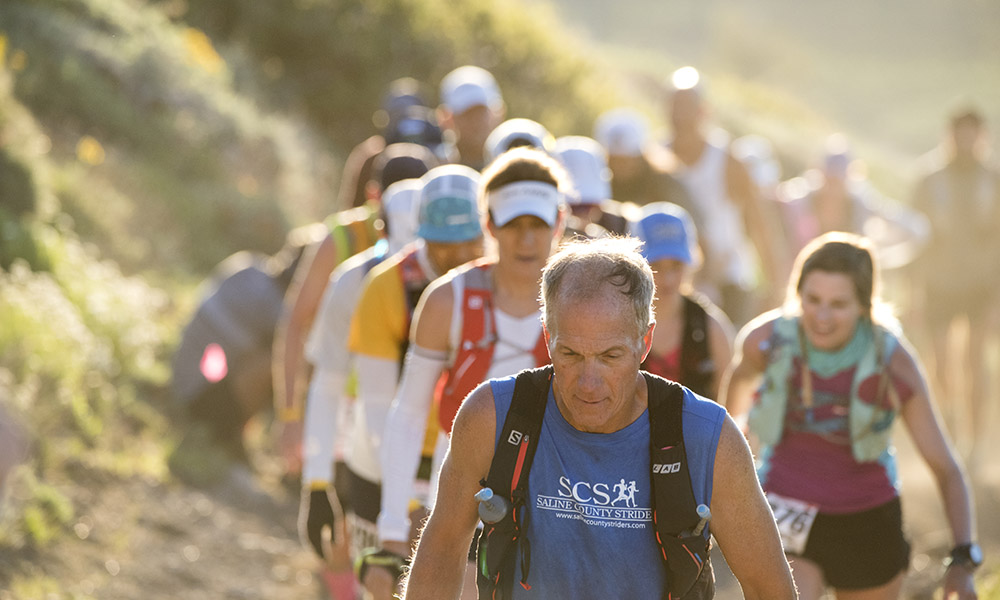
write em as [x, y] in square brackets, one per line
[336, 56]
[202, 171]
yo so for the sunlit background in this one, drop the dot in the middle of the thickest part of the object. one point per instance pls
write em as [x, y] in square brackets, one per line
[141, 142]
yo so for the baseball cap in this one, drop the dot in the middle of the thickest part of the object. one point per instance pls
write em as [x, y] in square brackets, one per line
[449, 207]
[666, 231]
[470, 86]
[622, 131]
[400, 94]
[587, 164]
[417, 125]
[535, 198]
[399, 209]
[513, 133]
[402, 161]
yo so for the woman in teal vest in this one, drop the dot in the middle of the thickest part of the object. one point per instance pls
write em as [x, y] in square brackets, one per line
[818, 385]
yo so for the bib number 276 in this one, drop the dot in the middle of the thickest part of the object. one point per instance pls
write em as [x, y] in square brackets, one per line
[795, 519]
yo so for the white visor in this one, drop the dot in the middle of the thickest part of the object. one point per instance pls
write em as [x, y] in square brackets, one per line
[542, 200]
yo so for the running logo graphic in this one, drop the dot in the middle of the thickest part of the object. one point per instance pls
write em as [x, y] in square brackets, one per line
[597, 504]
[626, 493]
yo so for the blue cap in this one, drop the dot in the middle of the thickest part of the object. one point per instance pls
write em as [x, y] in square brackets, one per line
[416, 125]
[449, 206]
[401, 94]
[666, 231]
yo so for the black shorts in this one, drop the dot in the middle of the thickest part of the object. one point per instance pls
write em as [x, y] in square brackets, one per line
[363, 497]
[859, 550]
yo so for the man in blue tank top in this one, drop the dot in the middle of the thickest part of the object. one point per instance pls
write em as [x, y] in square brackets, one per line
[588, 511]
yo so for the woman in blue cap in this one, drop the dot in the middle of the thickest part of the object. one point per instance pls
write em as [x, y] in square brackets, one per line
[692, 343]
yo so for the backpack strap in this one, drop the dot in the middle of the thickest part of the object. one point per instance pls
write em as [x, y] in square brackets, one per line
[696, 369]
[508, 477]
[675, 516]
[474, 352]
[414, 282]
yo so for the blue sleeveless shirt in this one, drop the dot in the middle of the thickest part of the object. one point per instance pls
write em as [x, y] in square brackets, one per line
[589, 520]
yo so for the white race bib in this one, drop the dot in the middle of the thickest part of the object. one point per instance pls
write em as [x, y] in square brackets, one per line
[795, 519]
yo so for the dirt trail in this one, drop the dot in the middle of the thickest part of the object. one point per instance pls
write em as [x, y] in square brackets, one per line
[142, 539]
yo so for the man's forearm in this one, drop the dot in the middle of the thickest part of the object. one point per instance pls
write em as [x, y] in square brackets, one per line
[783, 589]
[438, 568]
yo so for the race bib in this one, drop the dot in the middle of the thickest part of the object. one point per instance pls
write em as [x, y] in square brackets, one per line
[795, 519]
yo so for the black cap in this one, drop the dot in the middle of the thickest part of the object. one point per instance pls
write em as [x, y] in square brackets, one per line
[403, 161]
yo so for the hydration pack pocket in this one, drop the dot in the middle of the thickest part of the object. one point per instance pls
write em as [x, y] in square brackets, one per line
[689, 571]
[495, 557]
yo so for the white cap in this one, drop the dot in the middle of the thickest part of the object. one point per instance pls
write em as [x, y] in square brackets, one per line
[470, 86]
[517, 132]
[449, 205]
[535, 198]
[587, 164]
[399, 204]
[622, 131]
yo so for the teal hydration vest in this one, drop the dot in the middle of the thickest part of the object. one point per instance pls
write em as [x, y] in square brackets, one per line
[870, 424]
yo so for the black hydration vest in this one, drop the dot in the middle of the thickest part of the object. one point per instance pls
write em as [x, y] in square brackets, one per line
[685, 556]
[697, 368]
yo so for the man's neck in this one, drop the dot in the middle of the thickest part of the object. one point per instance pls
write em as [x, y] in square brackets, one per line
[469, 154]
[688, 145]
[964, 161]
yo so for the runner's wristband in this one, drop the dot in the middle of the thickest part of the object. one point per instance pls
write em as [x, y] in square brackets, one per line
[373, 557]
[969, 556]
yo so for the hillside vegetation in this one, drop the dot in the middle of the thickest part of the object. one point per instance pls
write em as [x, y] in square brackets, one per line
[141, 142]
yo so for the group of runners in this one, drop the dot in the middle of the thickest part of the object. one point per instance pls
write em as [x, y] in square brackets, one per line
[447, 267]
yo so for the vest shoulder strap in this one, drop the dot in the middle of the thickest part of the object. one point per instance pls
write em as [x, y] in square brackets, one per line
[675, 514]
[673, 498]
[414, 280]
[501, 543]
[697, 368]
[518, 440]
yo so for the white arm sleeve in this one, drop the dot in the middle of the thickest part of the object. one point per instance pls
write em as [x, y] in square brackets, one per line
[377, 379]
[326, 344]
[326, 349]
[326, 392]
[404, 436]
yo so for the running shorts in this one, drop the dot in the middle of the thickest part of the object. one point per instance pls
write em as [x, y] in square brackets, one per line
[362, 505]
[859, 550]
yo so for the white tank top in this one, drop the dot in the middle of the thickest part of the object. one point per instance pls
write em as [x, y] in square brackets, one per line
[728, 252]
[517, 336]
[516, 342]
